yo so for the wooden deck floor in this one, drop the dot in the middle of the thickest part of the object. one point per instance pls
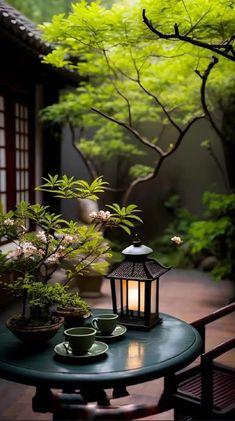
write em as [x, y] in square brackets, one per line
[188, 295]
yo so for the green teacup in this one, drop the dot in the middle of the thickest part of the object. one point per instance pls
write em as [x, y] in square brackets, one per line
[105, 323]
[80, 339]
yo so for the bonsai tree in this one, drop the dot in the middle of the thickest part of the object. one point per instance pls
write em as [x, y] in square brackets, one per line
[130, 79]
[37, 255]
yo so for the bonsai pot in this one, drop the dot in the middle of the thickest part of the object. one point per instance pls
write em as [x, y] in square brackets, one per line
[34, 335]
[73, 316]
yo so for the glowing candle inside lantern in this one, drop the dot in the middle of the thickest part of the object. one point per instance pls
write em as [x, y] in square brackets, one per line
[135, 295]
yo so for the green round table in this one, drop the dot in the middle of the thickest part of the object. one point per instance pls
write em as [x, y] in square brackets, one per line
[136, 357]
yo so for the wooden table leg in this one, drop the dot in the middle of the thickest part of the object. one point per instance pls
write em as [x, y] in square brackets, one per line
[96, 395]
[120, 392]
[42, 400]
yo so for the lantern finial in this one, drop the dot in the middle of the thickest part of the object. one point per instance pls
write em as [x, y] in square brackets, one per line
[137, 248]
[136, 242]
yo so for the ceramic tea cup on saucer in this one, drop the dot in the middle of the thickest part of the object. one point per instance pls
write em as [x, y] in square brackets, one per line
[105, 323]
[80, 339]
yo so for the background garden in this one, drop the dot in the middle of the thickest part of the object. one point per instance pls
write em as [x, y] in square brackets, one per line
[153, 113]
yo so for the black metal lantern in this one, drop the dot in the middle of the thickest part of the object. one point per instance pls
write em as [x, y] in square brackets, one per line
[135, 287]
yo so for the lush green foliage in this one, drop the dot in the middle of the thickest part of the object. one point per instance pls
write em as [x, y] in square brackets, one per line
[132, 77]
[212, 236]
[215, 235]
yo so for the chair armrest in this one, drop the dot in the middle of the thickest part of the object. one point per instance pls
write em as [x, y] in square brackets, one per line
[219, 350]
[214, 316]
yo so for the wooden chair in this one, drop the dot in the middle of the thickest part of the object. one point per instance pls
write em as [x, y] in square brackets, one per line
[207, 390]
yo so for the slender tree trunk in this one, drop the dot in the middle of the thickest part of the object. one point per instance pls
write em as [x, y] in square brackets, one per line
[228, 143]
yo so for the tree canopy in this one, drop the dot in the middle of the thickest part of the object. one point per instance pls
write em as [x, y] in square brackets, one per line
[130, 76]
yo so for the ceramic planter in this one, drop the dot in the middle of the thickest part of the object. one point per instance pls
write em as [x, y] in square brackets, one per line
[34, 335]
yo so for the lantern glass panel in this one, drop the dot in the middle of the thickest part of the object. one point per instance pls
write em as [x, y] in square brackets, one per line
[134, 295]
[118, 293]
[153, 297]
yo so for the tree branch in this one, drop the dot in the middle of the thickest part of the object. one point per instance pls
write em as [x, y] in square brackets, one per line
[208, 115]
[224, 49]
[88, 164]
[204, 78]
[162, 155]
[160, 161]
[135, 133]
[118, 90]
[147, 92]
[156, 99]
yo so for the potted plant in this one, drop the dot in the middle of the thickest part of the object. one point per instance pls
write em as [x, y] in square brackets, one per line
[73, 309]
[36, 256]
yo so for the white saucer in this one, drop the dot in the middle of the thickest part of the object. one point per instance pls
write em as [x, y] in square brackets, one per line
[118, 331]
[97, 348]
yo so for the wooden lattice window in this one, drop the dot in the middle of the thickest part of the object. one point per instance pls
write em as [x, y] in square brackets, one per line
[16, 151]
[3, 169]
[22, 152]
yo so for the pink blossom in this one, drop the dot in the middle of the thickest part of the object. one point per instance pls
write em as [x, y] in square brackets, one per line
[28, 249]
[176, 240]
[14, 254]
[101, 216]
[42, 236]
[68, 239]
[9, 221]
[93, 215]
[54, 258]
[41, 252]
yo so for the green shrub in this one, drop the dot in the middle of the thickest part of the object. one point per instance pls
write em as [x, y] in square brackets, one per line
[215, 235]
[168, 254]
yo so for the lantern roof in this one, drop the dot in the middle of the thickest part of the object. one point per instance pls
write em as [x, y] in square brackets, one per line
[144, 270]
[136, 264]
[137, 249]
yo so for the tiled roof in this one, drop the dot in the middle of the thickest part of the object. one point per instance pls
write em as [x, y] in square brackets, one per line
[25, 32]
[24, 29]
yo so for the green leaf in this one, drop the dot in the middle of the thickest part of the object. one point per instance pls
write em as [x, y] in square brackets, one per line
[125, 228]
